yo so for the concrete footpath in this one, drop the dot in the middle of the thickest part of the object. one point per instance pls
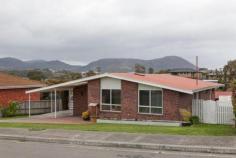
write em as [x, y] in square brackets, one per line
[204, 144]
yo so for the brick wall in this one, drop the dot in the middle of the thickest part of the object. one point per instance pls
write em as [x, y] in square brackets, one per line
[172, 101]
[8, 95]
[207, 95]
[80, 95]
[94, 95]
[129, 100]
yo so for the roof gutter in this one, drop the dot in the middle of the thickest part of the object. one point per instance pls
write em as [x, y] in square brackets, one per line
[21, 87]
[207, 88]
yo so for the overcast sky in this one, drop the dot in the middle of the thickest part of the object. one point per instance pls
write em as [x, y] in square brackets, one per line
[80, 31]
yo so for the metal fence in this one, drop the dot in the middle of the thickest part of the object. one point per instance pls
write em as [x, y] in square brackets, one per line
[38, 107]
[213, 112]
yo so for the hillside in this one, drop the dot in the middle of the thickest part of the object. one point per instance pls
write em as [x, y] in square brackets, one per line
[106, 65]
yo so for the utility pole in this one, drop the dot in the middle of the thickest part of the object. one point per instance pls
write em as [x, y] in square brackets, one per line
[197, 70]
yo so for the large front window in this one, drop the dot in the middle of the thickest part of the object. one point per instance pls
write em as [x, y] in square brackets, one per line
[111, 100]
[150, 102]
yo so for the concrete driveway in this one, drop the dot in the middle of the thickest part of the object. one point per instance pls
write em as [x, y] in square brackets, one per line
[63, 117]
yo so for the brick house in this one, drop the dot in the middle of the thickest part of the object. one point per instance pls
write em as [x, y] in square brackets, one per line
[13, 88]
[130, 96]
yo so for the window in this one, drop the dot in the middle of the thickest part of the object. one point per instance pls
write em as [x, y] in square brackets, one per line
[150, 102]
[111, 100]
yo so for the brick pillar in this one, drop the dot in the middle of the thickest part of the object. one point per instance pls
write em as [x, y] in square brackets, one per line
[170, 105]
[94, 95]
[129, 100]
[80, 97]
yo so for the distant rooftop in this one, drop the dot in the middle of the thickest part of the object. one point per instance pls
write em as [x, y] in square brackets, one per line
[10, 81]
[182, 70]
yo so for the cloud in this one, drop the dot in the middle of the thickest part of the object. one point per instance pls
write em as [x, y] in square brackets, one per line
[82, 31]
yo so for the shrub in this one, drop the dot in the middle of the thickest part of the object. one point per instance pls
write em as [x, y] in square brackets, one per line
[185, 114]
[0, 111]
[85, 116]
[194, 120]
[10, 110]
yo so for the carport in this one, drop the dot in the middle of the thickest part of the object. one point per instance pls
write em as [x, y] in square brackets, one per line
[53, 90]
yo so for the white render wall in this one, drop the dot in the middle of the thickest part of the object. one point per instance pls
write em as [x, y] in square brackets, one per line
[146, 87]
[110, 83]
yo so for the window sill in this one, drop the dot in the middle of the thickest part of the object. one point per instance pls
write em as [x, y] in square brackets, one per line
[110, 111]
[150, 114]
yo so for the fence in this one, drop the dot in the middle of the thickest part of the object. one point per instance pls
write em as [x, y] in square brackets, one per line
[213, 112]
[38, 107]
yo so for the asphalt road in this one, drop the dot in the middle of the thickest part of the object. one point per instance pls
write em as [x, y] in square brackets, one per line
[16, 149]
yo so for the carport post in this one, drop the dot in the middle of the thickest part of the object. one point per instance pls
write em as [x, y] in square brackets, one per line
[55, 104]
[29, 104]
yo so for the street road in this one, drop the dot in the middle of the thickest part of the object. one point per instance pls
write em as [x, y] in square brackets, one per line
[16, 149]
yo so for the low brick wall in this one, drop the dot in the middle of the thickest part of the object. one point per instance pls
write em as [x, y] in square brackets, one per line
[8, 95]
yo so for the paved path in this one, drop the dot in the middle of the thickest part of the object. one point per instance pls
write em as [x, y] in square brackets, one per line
[63, 117]
[15, 149]
[215, 141]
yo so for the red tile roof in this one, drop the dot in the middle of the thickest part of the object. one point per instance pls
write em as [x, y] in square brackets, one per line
[9, 81]
[172, 81]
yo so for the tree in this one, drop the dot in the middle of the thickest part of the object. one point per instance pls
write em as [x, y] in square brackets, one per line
[36, 75]
[98, 69]
[90, 73]
[233, 85]
[229, 73]
[150, 70]
[162, 72]
[139, 68]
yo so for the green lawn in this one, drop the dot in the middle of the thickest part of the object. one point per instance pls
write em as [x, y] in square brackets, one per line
[13, 117]
[203, 129]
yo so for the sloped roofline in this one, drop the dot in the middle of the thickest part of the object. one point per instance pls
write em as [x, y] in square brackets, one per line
[21, 86]
[85, 80]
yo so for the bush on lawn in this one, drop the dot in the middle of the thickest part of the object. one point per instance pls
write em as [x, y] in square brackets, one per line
[185, 114]
[0, 111]
[86, 116]
[194, 120]
[10, 110]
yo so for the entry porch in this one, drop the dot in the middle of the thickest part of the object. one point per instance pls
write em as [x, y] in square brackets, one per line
[70, 99]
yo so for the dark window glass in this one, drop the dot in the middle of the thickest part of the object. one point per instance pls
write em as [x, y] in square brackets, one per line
[144, 109]
[156, 97]
[116, 97]
[106, 96]
[144, 97]
[156, 110]
[116, 108]
[106, 107]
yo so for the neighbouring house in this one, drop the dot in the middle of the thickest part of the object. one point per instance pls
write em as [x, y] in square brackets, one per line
[131, 96]
[13, 88]
[185, 72]
[223, 95]
[190, 73]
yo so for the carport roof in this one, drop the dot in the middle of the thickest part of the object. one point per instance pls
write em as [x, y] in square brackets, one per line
[166, 81]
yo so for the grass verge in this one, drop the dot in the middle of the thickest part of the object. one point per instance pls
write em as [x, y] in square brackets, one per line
[202, 129]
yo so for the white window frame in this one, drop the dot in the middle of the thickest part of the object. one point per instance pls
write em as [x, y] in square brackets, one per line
[150, 102]
[101, 103]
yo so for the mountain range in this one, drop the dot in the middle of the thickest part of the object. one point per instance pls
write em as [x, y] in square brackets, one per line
[106, 64]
